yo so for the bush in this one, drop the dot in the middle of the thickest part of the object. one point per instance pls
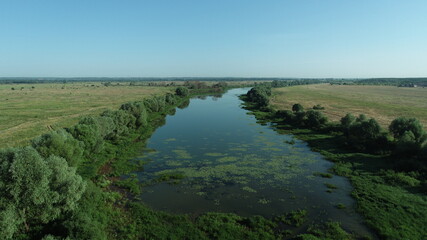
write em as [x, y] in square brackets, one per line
[318, 107]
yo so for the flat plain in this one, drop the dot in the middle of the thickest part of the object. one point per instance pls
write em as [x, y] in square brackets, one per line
[33, 109]
[384, 103]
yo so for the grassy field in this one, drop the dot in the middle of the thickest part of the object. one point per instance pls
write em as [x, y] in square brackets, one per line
[27, 112]
[384, 103]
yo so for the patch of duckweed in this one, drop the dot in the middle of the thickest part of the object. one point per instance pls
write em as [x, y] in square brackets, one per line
[249, 189]
[174, 163]
[331, 186]
[341, 206]
[214, 154]
[172, 177]
[227, 159]
[323, 175]
[170, 140]
[182, 154]
[238, 149]
[269, 149]
[263, 201]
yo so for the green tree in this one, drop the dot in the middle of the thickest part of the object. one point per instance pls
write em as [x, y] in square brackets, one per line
[181, 91]
[365, 134]
[297, 107]
[59, 143]
[90, 135]
[346, 122]
[263, 100]
[409, 135]
[315, 119]
[137, 109]
[401, 125]
[35, 190]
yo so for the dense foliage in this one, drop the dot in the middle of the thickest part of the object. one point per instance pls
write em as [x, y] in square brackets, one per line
[35, 190]
[40, 187]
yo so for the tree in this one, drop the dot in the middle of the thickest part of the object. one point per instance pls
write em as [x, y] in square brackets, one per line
[346, 122]
[90, 135]
[35, 190]
[315, 119]
[137, 109]
[297, 107]
[409, 135]
[400, 125]
[318, 107]
[263, 100]
[59, 143]
[365, 134]
[122, 122]
[181, 91]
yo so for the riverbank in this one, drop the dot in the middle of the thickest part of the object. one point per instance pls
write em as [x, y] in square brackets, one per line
[394, 204]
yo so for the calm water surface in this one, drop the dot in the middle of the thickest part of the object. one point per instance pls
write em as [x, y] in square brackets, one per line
[233, 164]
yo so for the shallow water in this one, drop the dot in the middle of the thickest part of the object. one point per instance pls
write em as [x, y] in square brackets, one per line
[233, 164]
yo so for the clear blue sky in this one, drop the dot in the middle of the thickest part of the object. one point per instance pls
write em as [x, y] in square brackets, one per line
[238, 38]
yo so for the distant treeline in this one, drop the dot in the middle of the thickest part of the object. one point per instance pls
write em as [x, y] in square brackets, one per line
[276, 82]
[399, 82]
[130, 79]
[6, 80]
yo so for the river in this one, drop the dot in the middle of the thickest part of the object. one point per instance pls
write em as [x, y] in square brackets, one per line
[230, 163]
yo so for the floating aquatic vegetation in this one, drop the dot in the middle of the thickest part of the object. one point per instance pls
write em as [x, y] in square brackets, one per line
[170, 139]
[201, 193]
[249, 189]
[272, 149]
[174, 163]
[241, 149]
[181, 153]
[214, 154]
[331, 186]
[263, 201]
[227, 159]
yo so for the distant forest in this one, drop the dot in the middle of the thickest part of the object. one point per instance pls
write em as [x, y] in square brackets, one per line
[400, 82]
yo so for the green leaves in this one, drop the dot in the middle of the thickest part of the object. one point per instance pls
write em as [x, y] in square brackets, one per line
[59, 143]
[34, 189]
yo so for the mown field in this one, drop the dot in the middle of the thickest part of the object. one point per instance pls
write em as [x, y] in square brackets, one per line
[27, 112]
[384, 103]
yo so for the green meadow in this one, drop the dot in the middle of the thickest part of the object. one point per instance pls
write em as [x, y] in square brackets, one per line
[33, 109]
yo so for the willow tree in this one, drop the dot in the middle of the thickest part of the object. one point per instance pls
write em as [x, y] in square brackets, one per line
[34, 190]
